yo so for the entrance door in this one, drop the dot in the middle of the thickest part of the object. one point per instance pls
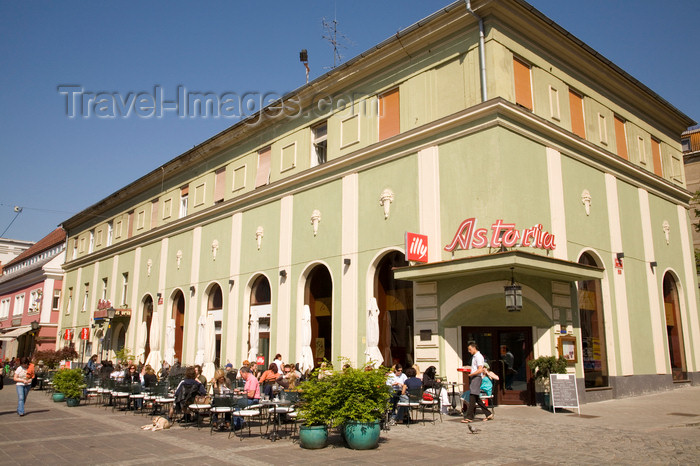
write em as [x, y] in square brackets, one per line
[506, 350]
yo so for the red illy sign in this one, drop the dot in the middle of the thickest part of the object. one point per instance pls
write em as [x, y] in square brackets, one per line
[68, 334]
[84, 333]
[416, 247]
[502, 234]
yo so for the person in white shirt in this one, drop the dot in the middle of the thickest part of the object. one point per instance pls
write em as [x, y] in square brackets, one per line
[475, 376]
[23, 383]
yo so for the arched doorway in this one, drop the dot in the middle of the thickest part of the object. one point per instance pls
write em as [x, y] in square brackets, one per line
[590, 303]
[395, 302]
[178, 315]
[215, 304]
[674, 329]
[148, 318]
[318, 294]
[259, 320]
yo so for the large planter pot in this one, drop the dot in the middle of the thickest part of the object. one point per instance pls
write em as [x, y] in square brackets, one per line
[362, 435]
[58, 397]
[72, 401]
[313, 437]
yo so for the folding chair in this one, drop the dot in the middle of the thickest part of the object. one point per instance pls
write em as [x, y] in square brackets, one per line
[413, 403]
[221, 406]
[248, 414]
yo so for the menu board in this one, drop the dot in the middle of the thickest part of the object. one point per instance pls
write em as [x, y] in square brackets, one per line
[564, 393]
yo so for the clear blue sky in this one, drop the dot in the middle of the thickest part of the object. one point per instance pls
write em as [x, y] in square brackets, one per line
[54, 166]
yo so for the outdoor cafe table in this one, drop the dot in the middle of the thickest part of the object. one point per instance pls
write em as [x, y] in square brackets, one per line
[276, 421]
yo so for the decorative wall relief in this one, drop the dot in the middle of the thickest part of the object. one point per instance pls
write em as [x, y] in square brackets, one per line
[315, 220]
[586, 201]
[214, 248]
[149, 264]
[259, 233]
[178, 257]
[385, 200]
[667, 231]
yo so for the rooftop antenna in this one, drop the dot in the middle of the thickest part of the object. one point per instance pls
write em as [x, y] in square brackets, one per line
[337, 39]
[304, 58]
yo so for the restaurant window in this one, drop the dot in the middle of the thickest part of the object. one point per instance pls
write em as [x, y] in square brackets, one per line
[219, 184]
[262, 176]
[184, 194]
[656, 155]
[319, 145]
[56, 300]
[595, 365]
[578, 122]
[621, 137]
[389, 114]
[523, 84]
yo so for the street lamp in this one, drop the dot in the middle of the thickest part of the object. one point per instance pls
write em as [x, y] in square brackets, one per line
[35, 327]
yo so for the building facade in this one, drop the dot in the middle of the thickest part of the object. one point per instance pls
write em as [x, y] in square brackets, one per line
[11, 248]
[524, 158]
[30, 293]
[690, 141]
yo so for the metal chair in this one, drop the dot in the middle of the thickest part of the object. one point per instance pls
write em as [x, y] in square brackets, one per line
[248, 413]
[414, 398]
[432, 405]
[221, 407]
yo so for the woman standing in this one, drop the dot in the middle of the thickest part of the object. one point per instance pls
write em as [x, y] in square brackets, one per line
[23, 383]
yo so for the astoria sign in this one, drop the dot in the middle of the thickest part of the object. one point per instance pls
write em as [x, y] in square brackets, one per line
[468, 236]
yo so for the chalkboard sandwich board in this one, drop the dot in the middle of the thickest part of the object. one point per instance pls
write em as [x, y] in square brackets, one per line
[564, 392]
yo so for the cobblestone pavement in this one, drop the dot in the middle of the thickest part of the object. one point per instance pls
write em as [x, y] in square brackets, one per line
[661, 428]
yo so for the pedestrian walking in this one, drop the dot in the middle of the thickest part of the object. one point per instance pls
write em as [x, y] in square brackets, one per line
[23, 383]
[476, 374]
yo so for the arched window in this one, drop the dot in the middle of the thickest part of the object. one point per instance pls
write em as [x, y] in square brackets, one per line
[259, 330]
[215, 304]
[595, 363]
[395, 302]
[178, 314]
[319, 297]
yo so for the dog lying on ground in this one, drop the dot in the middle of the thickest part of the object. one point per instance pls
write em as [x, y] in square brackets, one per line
[159, 423]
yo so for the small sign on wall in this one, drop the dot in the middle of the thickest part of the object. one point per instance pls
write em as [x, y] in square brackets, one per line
[416, 247]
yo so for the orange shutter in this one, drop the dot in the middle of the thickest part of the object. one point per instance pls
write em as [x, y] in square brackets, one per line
[656, 154]
[620, 138]
[389, 115]
[523, 89]
[219, 184]
[262, 177]
[578, 125]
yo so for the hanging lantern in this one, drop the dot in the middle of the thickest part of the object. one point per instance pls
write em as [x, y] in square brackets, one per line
[514, 295]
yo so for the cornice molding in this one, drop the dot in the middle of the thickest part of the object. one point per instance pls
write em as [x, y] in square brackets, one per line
[495, 112]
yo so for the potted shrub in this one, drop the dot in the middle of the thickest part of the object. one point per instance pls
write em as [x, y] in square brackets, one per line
[70, 383]
[542, 367]
[362, 397]
[316, 408]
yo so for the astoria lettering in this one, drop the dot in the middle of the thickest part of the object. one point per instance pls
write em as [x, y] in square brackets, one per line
[500, 234]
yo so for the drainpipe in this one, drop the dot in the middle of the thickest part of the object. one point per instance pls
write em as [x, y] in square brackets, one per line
[482, 51]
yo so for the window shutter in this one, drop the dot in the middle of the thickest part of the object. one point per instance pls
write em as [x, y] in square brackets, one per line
[523, 87]
[656, 154]
[578, 125]
[389, 114]
[219, 184]
[621, 138]
[262, 177]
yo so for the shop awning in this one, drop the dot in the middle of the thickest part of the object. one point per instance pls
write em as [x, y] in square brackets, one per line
[15, 333]
[521, 262]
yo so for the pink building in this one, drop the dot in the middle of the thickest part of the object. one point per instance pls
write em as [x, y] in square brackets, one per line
[30, 297]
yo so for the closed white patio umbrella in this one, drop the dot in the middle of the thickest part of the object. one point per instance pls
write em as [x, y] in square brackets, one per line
[254, 338]
[154, 357]
[306, 363]
[374, 356]
[201, 339]
[209, 348]
[170, 341]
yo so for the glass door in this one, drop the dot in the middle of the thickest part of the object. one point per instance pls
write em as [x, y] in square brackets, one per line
[506, 350]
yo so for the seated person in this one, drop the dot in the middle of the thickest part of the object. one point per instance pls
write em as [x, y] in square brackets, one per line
[434, 386]
[220, 387]
[133, 377]
[231, 374]
[269, 378]
[252, 386]
[289, 378]
[395, 380]
[411, 383]
[149, 379]
[186, 391]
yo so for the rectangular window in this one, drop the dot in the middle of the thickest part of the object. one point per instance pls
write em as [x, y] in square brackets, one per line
[578, 122]
[239, 178]
[130, 225]
[75, 248]
[35, 300]
[319, 136]
[184, 194]
[523, 84]
[262, 177]
[56, 303]
[602, 129]
[389, 114]
[656, 154]
[125, 287]
[86, 296]
[104, 288]
[641, 150]
[219, 184]
[70, 301]
[110, 232]
[118, 229]
[141, 220]
[685, 143]
[621, 137]
[98, 237]
[91, 247]
[167, 208]
[4, 309]
[154, 213]
[19, 305]
[554, 109]
[82, 244]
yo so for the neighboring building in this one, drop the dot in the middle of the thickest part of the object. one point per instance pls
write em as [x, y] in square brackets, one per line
[30, 291]
[216, 254]
[11, 248]
[690, 141]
